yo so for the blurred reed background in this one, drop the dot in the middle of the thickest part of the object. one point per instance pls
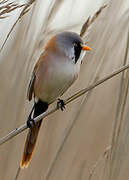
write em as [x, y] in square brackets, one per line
[72, 143]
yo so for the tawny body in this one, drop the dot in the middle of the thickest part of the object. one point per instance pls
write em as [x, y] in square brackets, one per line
[53, 78]
[55, 71]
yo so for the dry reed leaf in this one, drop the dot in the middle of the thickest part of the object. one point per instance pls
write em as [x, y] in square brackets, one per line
[55, 9]
[102, 156]
[24, 11]
[119, 124]
[4, 1]
[48, 31]
[7, 8]
[66, 28]
[90, 20]
[52, 13]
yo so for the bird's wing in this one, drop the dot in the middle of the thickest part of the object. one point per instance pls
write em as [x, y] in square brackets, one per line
[31, 86]
[30, 90]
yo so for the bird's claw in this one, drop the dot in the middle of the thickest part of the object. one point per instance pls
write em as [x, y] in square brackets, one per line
[61, 104]
[30, 123]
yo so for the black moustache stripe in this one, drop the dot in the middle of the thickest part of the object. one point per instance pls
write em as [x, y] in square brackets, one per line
[77, 52]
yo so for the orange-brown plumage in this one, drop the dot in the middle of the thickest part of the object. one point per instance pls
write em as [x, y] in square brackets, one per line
[30, 145]
[54, 72]
[34, 88]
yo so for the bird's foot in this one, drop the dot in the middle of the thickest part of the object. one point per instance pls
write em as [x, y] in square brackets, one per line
[30, 122]
[61, 104]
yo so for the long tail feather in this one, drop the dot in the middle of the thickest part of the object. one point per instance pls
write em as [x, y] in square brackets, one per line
[32, 135]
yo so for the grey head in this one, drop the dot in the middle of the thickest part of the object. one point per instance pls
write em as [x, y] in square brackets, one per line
[70, 44]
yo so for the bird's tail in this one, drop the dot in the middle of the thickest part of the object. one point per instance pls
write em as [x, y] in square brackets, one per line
[32, 135]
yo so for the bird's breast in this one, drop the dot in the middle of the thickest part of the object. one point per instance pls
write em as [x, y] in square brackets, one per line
[54, 78]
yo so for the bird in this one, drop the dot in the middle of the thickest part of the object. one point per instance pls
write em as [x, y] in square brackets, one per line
[55, 71]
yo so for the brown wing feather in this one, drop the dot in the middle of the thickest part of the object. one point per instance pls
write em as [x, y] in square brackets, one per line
[31, 87]
[30, 90]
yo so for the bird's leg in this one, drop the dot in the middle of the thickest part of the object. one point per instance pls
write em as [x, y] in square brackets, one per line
[60, 104]
[30, 122]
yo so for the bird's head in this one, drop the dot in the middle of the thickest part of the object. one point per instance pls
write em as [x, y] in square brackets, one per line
[69, 44]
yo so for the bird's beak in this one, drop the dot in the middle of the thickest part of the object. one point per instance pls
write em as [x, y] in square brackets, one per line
[86, 48]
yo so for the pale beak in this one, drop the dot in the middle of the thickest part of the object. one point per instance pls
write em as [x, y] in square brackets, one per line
[86, 48]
